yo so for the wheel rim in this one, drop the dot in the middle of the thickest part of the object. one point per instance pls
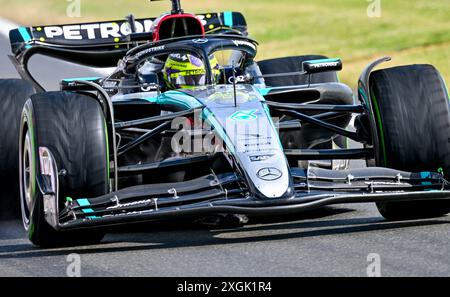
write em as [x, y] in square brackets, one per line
[27, 180]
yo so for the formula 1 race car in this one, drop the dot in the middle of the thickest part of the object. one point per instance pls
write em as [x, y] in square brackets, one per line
[190, 125]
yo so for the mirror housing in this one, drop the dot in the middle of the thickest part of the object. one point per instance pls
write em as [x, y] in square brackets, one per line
[149, 81]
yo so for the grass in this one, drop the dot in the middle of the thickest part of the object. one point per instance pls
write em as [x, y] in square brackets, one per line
[409, 31]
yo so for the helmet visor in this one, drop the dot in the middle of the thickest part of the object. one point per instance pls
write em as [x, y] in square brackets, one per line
[181, 80]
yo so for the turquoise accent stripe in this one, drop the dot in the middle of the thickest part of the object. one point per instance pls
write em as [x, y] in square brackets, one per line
[228, 19]
[25, 35]
[152, 99]
[425, 175]
[83, 202]
[81, 78]
[174, 102]
[322, 61]
[178, 98]
[264, 91]
[363, 94]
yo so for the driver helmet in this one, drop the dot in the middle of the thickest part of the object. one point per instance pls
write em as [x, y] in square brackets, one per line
[186, 71]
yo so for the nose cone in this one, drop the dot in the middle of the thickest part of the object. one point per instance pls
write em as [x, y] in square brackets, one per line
[250, 135]
[274, 184]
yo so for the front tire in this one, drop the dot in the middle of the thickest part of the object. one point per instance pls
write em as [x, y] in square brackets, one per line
[411, 107]
[72, 127]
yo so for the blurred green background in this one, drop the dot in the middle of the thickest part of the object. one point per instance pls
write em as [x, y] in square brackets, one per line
[409, 31]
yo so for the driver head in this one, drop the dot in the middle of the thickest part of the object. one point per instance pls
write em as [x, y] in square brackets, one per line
[185, 71]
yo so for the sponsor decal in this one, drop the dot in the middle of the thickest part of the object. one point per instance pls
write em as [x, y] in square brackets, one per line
[326, 64]
[129, 213]
[269, 173]
[179, 57]
[135, 203]
[260, 158]
[202, 19]
[93, 31]
[200, 40]
[149, 50]
[258, 144]
[243, 42]
[374, 183]
[193, 72]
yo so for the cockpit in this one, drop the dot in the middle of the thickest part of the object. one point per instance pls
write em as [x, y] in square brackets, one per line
[198, 63]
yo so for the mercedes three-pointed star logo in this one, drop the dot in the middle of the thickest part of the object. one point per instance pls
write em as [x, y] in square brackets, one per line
[269, 173]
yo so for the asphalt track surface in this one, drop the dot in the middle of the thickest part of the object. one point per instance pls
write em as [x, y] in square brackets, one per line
[333, 241]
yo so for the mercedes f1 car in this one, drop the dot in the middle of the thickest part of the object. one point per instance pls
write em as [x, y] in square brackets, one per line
[189, 124]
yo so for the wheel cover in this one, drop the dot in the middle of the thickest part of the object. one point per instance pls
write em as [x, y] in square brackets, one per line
[27, 179]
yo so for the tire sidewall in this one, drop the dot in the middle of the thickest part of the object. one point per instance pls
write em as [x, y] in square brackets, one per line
[33, 220]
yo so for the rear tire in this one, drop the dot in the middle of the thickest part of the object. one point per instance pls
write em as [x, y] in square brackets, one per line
[72, 127]
[13, 94]
[411, 107]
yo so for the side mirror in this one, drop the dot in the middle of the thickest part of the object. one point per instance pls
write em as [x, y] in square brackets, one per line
[323, 65]
[148, 78]
[149, 81]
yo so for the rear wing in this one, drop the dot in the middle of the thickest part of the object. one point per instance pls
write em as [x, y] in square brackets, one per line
[101, 44]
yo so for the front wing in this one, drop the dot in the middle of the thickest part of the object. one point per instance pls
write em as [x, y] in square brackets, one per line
[226, 194]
